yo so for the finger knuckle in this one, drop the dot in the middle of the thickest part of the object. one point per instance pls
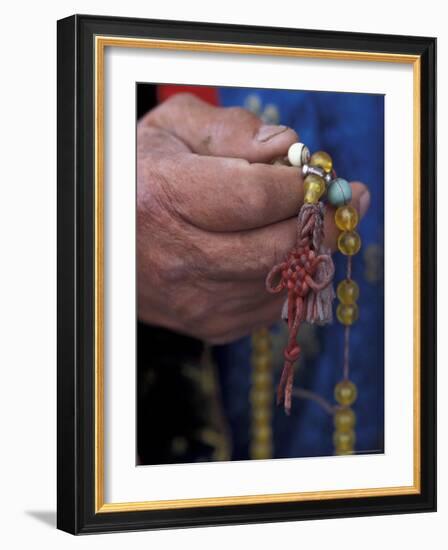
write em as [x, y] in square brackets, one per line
[176, 102]
[182, 100]
[240, 113]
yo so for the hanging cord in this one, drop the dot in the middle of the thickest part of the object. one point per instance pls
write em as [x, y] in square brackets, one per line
[301, 393]
[346, 368]
[306, 274]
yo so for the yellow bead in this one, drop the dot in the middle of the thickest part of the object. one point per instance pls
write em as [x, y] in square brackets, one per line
[260, 340]
[344, 419]
[322, 160]
[260, 398]
[345, 393]
[262, 381]
[262, 362]
[349, 243]
[314, 187]
[261, 345]
[346, 218]
[347, 291]
[311, 198]
[261, 451]
[261, 333]
[314, 183]
[341, 452]
[347, 314]
[261, 416]
[344, 441]
[261, 434]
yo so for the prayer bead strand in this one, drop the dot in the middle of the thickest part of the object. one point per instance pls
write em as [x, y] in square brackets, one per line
[310, 290]
[261, 395]
[320, 177]
[349, 243]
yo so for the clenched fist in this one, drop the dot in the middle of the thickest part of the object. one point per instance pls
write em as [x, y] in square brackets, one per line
[213, 216]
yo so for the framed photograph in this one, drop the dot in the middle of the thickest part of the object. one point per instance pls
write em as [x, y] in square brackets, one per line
[246, 274]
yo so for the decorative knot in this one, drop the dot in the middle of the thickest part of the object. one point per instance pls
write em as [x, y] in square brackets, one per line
[306, 274]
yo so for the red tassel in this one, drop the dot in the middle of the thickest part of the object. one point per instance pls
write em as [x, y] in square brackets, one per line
[307, 274]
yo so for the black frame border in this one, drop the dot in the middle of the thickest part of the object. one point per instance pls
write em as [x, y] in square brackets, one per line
[75, 273]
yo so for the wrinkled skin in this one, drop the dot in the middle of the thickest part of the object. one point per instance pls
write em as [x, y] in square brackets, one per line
[213, 217]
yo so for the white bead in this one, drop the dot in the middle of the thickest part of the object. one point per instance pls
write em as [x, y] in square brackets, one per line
[298, 154]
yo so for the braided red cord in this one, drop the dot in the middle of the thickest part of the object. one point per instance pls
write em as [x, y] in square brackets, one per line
[306, 274]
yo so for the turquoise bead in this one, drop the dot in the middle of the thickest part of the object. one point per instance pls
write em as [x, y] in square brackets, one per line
[339, 192]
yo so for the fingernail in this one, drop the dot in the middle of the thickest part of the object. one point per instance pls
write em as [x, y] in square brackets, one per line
[269, 131]
[364, 202]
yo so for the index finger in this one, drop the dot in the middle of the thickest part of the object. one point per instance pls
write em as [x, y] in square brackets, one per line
[227, 194]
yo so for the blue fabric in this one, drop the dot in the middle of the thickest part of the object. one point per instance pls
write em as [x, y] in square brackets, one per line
[350, 127]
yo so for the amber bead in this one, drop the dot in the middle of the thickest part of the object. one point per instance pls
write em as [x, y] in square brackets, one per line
[262, 380]
[347, 291]
[261, 335]
[260, 398]
[344, 441]
[314, 187]
[261, 416]
[345, 393]
[349, 243]
[322, 160]
[260, 451]
[347, 314]
[342, 452]
[346, 218]
[261, 345]
[262, 361]
[262, 434]
[344, 419]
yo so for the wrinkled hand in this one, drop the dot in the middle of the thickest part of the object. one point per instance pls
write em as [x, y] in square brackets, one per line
[213, 217]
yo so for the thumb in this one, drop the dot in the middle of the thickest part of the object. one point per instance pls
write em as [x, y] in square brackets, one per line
[221, 132]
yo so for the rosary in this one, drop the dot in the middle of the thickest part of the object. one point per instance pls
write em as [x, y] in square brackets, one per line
[306, 276]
